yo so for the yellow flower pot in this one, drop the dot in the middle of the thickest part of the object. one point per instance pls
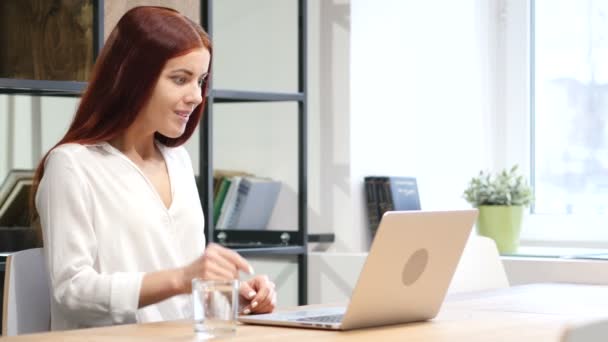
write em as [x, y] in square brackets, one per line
[501, 223]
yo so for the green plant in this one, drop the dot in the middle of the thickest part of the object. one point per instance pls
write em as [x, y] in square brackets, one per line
[504, 188]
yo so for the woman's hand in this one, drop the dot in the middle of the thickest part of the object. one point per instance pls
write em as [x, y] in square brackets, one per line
[216, 263]
[258, 295]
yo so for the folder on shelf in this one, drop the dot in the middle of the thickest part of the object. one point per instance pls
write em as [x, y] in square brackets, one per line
[228, 204]
[14, 198]
[220, 196]
[254, 203]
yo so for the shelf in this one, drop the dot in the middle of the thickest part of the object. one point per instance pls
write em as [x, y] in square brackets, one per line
[322, 238]
[241, 237]
[41, 87]
[223, 96]
[279, 250]
[261, 242]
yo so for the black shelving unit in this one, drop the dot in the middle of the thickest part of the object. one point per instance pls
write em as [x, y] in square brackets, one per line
[248, 243]
[259, 243]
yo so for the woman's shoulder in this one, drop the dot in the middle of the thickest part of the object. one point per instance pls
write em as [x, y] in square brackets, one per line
[72, 152]
[178, 153]
[70, 148]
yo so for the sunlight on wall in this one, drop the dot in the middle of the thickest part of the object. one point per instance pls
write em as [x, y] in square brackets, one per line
[419, 97]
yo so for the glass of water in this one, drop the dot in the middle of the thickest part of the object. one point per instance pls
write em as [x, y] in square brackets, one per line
[215, 304]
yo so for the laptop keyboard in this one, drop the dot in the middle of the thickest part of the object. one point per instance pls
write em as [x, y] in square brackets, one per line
[324, 319]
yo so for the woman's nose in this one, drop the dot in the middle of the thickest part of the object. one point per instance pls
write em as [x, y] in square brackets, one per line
[195, 96]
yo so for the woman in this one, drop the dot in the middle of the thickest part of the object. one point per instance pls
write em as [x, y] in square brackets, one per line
[116, 198]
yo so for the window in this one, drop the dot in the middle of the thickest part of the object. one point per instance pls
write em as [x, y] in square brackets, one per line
[566, 47]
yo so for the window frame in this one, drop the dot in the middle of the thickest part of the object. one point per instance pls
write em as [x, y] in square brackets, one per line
[515, 55]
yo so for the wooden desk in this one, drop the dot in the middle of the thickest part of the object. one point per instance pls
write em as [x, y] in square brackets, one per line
[522, 313]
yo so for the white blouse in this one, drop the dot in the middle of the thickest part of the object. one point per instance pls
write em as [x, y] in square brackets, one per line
[105, 225]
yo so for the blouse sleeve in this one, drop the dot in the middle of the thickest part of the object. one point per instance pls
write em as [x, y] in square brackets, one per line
[84, 295]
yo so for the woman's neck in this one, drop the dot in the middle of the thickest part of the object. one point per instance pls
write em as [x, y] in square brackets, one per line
[136, 147]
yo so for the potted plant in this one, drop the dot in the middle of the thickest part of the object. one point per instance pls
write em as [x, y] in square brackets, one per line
[501, 199]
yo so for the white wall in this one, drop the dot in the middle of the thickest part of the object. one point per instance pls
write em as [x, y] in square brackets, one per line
[420, 101]
[24, 137]
[328, 118]
[56, 116]
[21, 132]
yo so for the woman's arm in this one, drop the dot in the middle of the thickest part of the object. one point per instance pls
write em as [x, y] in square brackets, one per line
[158, 286]
[216, 263]
[85, 296]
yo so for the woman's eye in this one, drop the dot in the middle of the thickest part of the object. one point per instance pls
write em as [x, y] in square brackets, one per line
[179, 80]
[201, 81]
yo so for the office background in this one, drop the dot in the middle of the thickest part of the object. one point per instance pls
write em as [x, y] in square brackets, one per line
[395, 87]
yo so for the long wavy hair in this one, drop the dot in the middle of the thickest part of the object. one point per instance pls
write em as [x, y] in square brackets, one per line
[124, 77]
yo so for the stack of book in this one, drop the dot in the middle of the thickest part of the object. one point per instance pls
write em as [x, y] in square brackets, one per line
[243, 201]
[385, 193]
[14, 198]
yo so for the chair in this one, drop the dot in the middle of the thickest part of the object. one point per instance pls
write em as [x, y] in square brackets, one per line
[480, 267]
[586, 332]
[26, 294]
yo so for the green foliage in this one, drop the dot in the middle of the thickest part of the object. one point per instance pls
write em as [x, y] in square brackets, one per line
[504, 188]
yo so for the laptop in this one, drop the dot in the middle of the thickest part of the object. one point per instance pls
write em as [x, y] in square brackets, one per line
[405, 276]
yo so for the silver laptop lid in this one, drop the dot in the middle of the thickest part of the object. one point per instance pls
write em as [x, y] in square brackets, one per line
[409, 267]
[405, 276]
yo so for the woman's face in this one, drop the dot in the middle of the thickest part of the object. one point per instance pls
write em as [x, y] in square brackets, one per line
[176, 94]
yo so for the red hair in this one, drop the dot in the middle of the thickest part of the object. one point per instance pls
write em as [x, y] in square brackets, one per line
[125, 75]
